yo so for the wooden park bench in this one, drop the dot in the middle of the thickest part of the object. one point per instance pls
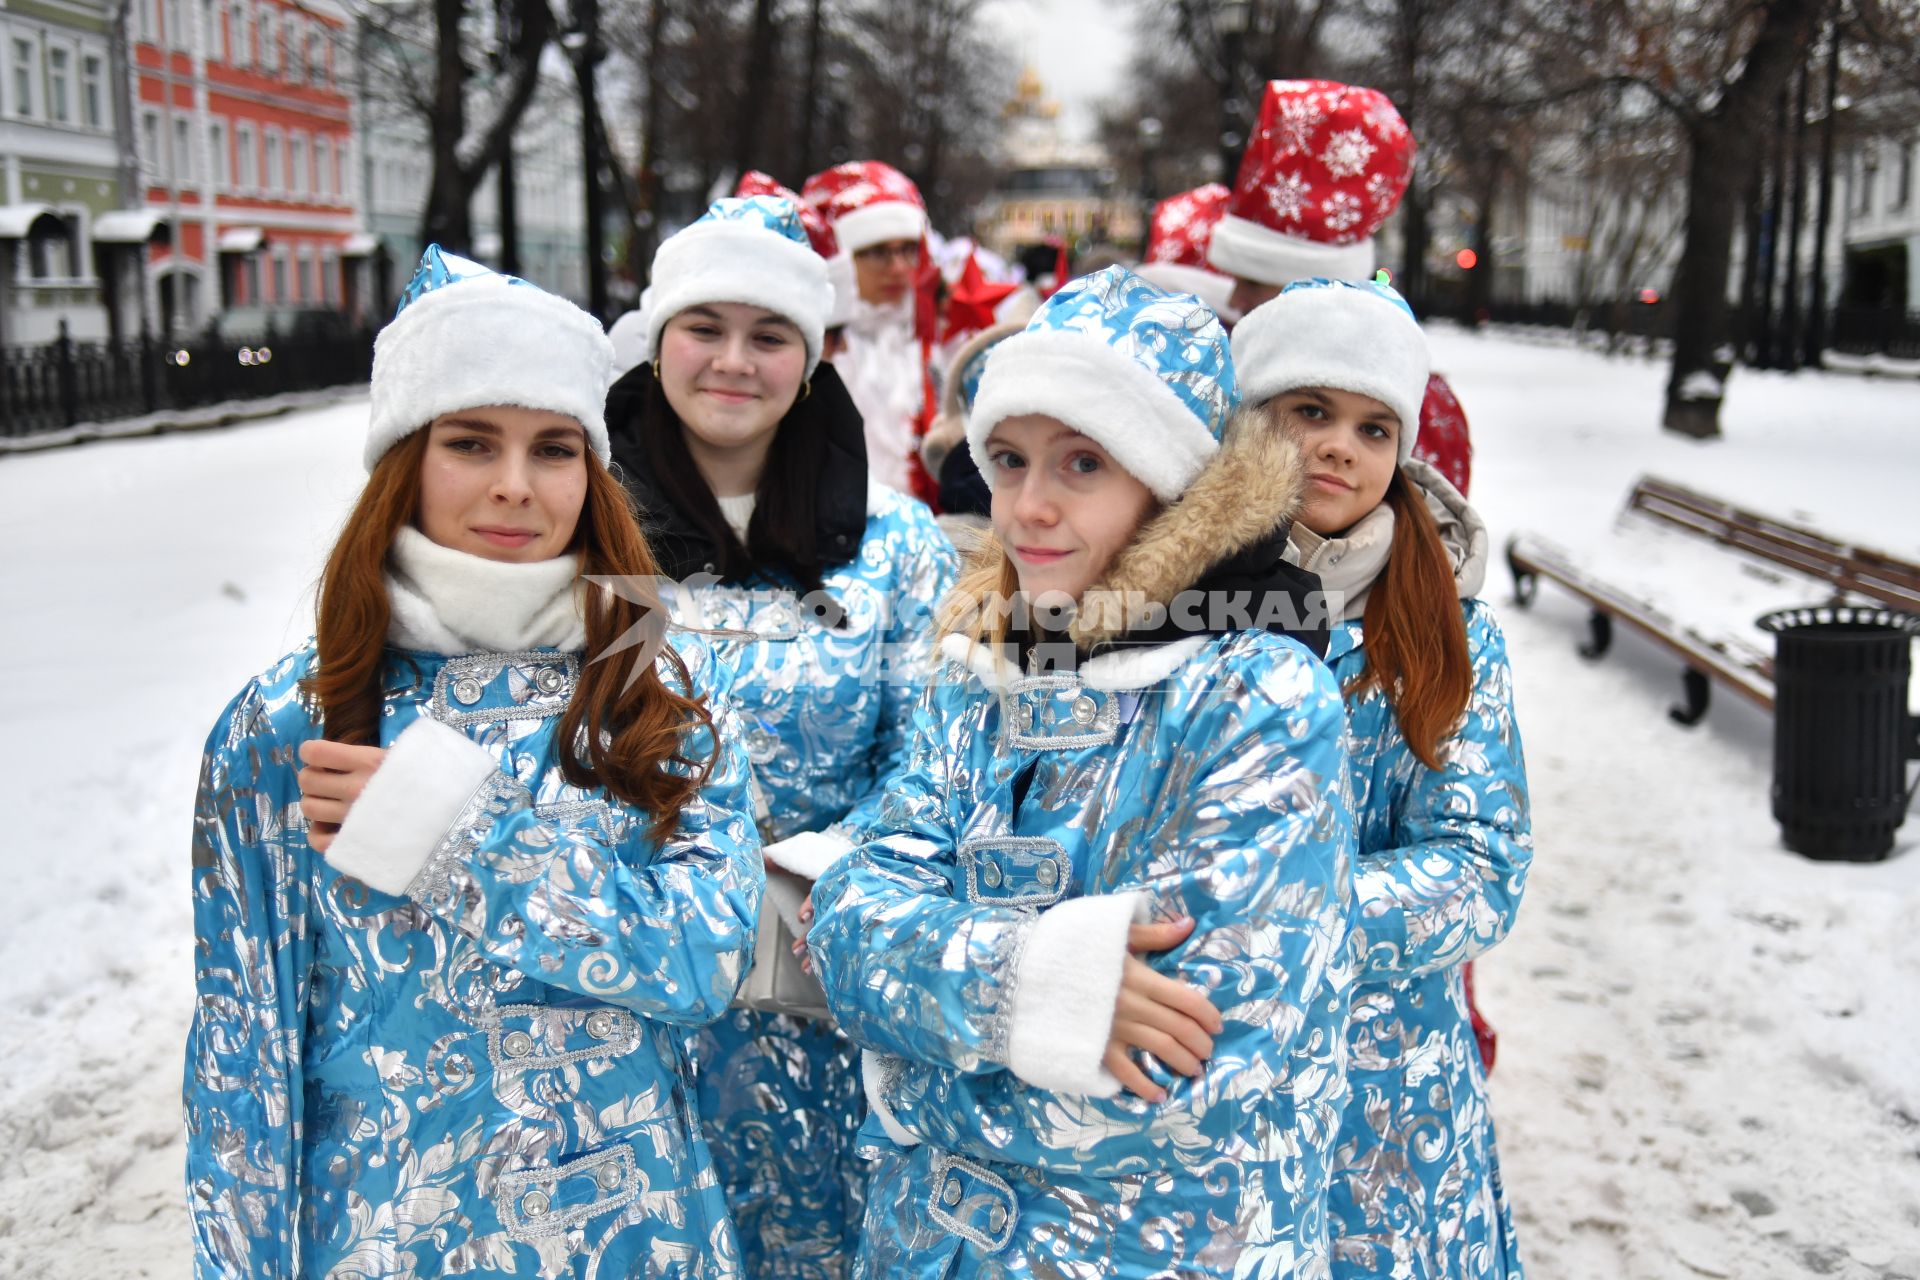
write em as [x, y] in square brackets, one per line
[1691, 573]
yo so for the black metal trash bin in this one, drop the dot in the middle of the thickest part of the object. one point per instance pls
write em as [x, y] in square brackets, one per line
[1841, 730]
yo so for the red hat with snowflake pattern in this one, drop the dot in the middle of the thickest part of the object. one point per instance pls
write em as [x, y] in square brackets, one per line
[755, 183]
[867, 202]
[1328, 162]
[1183, 224]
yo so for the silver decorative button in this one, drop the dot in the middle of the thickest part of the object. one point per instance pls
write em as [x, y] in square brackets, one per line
[992, 875]
[600, 1025]
[517, 1044]
[1046, 873]
[951, 1193]
[609, 1177]
[1023, 717]
[997, 1219]
[466, 691]
[550, 680]
[1084, 709]
[535, 1204]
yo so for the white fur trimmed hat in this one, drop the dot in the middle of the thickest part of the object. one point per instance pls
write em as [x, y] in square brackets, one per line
[1348, 335]
[752, 250]
[867, 202]
[465, 336]
[1143, 372]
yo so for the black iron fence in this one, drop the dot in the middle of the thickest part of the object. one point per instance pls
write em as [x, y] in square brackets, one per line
[1876, 331]
[65, 382]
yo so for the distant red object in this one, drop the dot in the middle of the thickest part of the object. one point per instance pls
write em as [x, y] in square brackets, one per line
[1649, 296]
[1467, 259]
[1443, 442]
[1485, 1038]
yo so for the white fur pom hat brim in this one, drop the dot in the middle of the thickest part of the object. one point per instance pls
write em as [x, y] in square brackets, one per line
[487, 340]
[1253, 252]
[721, 260]
[1102, 394]
[1339, 336]
[879, 223]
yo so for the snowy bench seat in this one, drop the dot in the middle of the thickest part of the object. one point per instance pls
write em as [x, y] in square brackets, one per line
[1691, 573]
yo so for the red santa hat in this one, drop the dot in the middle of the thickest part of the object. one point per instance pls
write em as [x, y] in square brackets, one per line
[866, 203]
[755, 183]
[1327, 163]
[1177, 239]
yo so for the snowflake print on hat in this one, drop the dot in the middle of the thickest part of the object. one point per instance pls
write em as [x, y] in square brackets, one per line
[1347, 153]
[1183, 224]
[1327, 165]
[867, 203]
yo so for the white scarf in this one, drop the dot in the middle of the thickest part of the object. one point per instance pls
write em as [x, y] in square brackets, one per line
[1349, 564]
[449, 602]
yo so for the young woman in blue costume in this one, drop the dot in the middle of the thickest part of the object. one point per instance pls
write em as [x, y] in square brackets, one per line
[1095, 940]
[458, 891]
[1439, 782]
[748, 460]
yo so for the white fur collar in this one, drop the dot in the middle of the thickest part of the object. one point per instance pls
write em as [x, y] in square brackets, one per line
[1115, 672]
[449, 602]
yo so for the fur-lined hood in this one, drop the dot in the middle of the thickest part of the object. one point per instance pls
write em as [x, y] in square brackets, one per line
[1240, 506]
[949, 429]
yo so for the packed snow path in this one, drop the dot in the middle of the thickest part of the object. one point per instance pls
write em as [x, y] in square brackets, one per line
[1708, 1046]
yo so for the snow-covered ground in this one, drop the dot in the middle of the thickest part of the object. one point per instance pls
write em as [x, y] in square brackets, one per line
[1710, 1049]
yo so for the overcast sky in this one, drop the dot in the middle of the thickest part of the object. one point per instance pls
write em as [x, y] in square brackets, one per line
[1079, 47]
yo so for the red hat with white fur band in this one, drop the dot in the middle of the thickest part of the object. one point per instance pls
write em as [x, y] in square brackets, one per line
[866, 203]
[1327, 163]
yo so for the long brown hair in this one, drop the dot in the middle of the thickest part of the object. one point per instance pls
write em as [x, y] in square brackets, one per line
[1416, 648]
[633, 729]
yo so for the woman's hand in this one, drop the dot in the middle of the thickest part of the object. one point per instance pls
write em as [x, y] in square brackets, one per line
[335, 776]
[1172, 1020]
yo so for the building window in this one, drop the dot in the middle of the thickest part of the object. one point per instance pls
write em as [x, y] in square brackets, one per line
[176, 24]
[280, 275]
[270, 171]
[250, 274]
[269, 41]
[1869, 170]
[325, 182]
[317, 55]
[23, 77]
[213, 33]
[244, 158]
[182, 150]
[330, 277]
[343, 169]
[1904, 191]
[92, 92]
[217, 143]
[297, 164]
[59, 79]
[153, 157]
[242, 34]
[309, 291]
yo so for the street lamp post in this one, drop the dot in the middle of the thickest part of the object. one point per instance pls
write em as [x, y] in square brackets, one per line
[1149, 152]
[1230, 21]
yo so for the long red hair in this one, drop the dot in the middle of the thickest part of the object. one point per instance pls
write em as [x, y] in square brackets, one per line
[1416, 648]
[634, 729]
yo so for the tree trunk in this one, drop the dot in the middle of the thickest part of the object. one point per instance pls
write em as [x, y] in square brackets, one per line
[1413, 263]
[1769, 333]
[646, 231]
[1480, 278]
[1788, 348]
[810, 97]
[448, 220]
[1722, 151]
[1816, 333]
[749, 141]
[1748, 324]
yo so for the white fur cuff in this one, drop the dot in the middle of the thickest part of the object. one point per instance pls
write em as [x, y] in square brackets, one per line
[429, 774]
[1253, 251]
[809, 854]
[1064, 992]
[873, 1073]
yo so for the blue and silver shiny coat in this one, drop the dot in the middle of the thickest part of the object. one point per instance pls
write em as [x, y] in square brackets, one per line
[487, 1077]
[1417, 1192]
[825, 712]
[1204, 778]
